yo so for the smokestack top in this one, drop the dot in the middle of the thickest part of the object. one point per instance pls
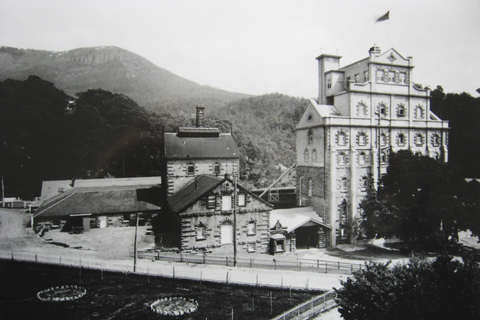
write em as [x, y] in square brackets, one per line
[200, 123]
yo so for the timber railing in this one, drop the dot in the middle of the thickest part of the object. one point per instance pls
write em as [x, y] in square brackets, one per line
[310, 307]
[309, 265]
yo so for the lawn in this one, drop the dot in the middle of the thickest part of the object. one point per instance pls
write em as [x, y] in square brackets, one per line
[128, 296]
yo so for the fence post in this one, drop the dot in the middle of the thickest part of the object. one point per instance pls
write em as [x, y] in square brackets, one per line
[338, 265]
[226, 261]
[300, 265]
[35, 258]
[326, 267]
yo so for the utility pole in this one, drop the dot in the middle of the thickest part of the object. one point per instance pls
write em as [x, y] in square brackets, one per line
[235, 221]
[135, 245]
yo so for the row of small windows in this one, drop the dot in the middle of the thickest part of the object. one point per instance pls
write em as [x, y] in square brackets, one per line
[306, 155]
[391, 76]
[227, 201]
[343, 184]
[341, 139]
[201, 229]
[382, 110]
[216, 168]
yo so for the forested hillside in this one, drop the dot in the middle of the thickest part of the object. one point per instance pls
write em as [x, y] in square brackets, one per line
[48, 135]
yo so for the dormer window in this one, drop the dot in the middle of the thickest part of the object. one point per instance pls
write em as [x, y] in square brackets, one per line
[190, 168]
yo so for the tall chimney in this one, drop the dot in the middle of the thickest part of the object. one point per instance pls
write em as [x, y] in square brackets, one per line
[200, 123]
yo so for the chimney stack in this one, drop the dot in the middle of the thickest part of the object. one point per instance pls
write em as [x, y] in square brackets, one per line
[200, 123]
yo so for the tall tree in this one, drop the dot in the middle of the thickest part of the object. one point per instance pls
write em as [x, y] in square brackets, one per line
[419, 200]
[463, 113]
[442, 289]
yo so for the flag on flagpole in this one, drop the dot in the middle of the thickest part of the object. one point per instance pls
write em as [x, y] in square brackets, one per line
[386, 16]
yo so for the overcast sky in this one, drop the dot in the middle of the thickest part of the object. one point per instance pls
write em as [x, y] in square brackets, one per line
[259, 46]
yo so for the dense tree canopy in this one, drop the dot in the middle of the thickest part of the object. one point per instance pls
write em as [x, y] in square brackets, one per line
[463, 113]
[445, 288]
[420, 200]
[48, 135]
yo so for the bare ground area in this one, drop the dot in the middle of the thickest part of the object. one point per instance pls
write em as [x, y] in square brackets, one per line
[118, 243]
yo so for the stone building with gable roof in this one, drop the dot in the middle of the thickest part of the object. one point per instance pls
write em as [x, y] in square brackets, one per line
[193, 151]
[212, 210]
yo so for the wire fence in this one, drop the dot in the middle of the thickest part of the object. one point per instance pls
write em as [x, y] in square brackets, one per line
[310, 265]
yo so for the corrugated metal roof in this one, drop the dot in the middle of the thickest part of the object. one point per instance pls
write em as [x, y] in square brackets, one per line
[223, 146]
[96, 200]
[295, 218]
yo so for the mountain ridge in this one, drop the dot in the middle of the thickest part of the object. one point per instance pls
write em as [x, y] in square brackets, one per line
[114, 69]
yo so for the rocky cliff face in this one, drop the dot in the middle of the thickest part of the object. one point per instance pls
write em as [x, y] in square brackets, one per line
[109, 68]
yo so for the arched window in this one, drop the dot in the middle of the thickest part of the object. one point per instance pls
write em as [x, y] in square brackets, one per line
[362, 139]
[383, 157]
[362, 158]
[383, 139]
[341, 138]
[343, 212]
[436, 140]
[306, 155]
[342, 158]
[251, 228]
[310, 187]
[382, 109]
[418, 139]
[419, 112]
[362, 109]
[364, 182]
[344, 184]
[310, 137]
[314, 155]
[401, 139]
[401, 111]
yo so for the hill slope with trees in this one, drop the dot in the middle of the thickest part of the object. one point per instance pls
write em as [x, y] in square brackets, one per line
[45, 134]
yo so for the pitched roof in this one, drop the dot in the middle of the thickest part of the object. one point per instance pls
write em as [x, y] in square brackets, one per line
[99, 200]
[197, 189]
[200, 147]
[192, 192]
[295, 218]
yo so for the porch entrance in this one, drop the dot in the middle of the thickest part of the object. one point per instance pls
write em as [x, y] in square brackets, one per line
[307, 237]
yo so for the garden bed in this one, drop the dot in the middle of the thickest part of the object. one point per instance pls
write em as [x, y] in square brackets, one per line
[113, 295]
